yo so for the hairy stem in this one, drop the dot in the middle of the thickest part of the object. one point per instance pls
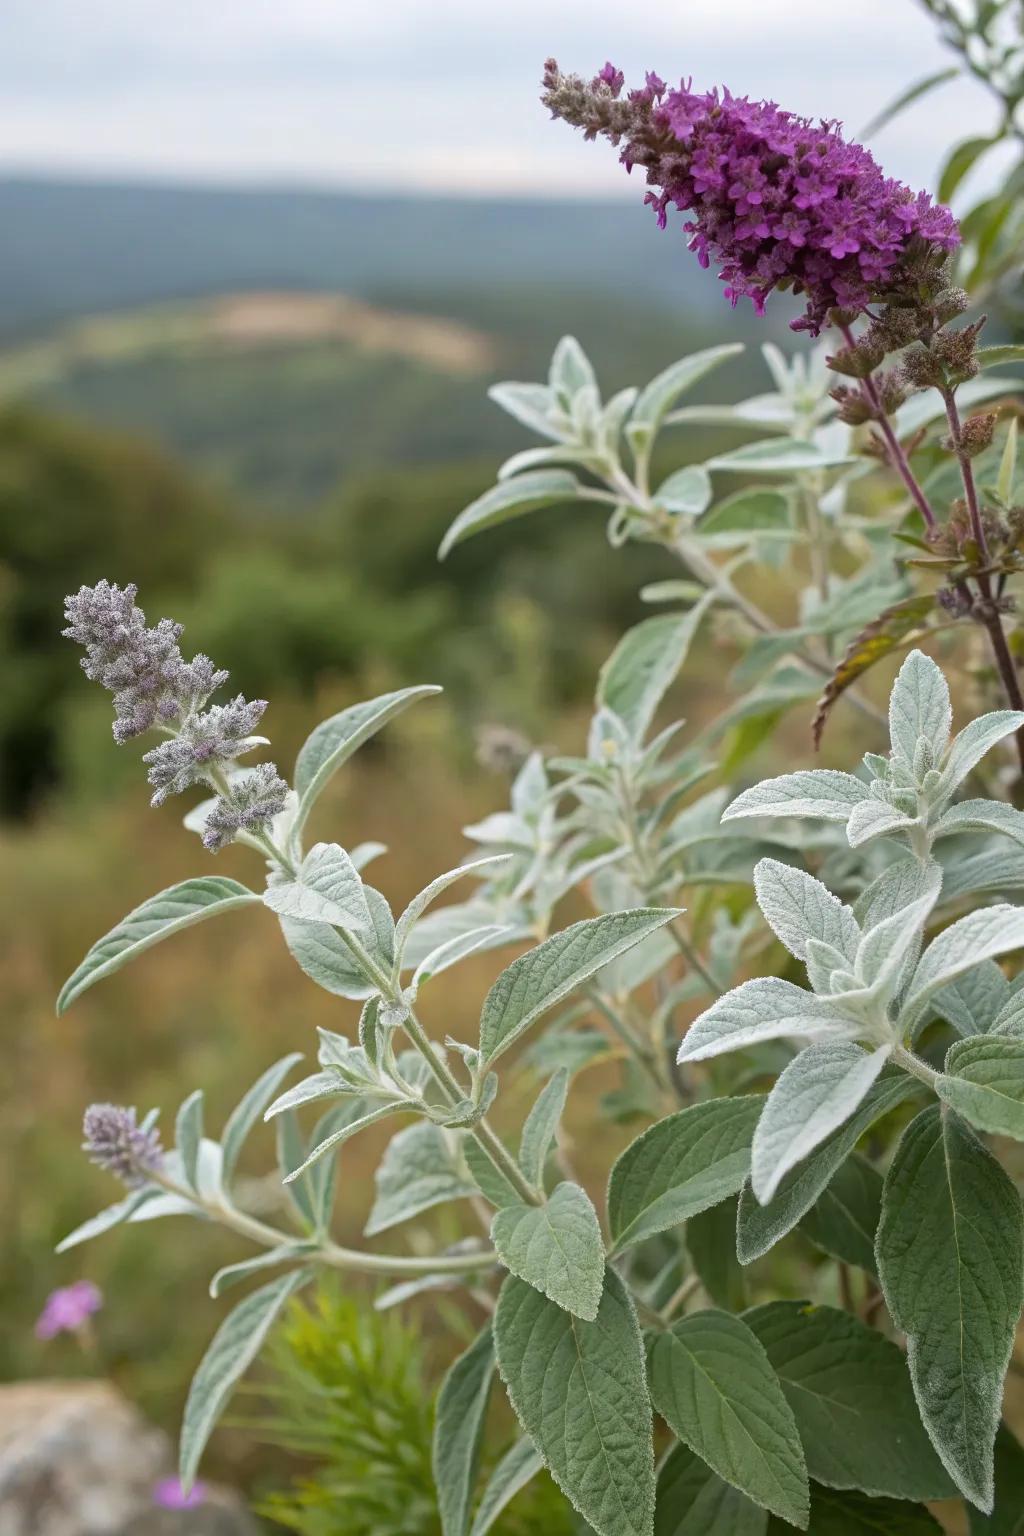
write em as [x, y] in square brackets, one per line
[327, 1252]
[446, 1080]
[687, 949]
[897, 458]
[483, 1133]
[915, 1066]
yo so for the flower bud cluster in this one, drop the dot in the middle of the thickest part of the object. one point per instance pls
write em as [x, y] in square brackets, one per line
[114, 1141]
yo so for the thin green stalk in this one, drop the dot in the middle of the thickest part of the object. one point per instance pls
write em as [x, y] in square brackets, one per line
[483, 1133]
[327, 1252]
[689, 953]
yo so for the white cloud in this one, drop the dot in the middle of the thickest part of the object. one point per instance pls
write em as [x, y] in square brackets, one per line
[429, 93]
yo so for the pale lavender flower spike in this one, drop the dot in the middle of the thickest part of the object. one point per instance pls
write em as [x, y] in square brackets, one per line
[115, 1141]
[153, 686]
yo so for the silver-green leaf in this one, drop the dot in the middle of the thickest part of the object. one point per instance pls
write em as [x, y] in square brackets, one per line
[555, 969]
[235, 1346]
[555, 1247]
[951, 1261]
[578, 1390]
[714, 1386]
[173, 910]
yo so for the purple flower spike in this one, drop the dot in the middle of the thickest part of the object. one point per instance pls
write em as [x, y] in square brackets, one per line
[777, 201]
[169, 1494]
[68, 1309]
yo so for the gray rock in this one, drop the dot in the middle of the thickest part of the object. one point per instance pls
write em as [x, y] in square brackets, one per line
[76, 1459]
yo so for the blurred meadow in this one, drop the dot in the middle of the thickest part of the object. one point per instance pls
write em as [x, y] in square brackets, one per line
[265, 407]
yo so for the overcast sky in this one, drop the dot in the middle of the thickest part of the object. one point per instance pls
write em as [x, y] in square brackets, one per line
[429, 94]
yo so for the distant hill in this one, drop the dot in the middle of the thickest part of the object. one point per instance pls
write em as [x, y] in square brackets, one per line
[284, 342]
[73, 248]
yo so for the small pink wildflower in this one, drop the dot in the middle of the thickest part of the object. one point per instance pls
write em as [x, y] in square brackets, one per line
[170, 1494]
[68, 1310]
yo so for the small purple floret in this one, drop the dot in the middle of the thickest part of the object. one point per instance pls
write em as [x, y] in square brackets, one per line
[68, 1309]
[169, 1494]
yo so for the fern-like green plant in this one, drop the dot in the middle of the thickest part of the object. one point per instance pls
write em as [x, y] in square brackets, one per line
[349, 1393]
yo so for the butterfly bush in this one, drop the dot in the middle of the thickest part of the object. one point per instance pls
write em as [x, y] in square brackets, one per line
[801, 995]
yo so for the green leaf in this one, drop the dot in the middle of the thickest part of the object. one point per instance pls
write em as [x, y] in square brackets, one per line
[797, 908]
[821, 793]
[419, 904]
[327, 889]
[971, 744]
[960, 162]
[950, 1261]
[511, 498]
[661, 394]
[1008, 462]
[778, 456]
[693, 1501]
[492, 1185]
[245, 1115]
[234, 1274]
[1007, 1519]
[844, 1219]
[578, 1390]
[813, 1096]
[235, 1346]
[919, 706]
[188, 1135]
[887, 632]
[642, 667]
[169, 912]
[458, 1431]
[104, 1220]
[346, 1131]
[747, 516]
[418, 1170]
[852, 1514]
[982, 816]
[328, 1084]
[322, 954]
[687, 491]
[984, 1082]
[538, 980]
[907, 98]
[334, 741]
[714, 1386]
[685, 1164]
[850, 1392]
[999, 357]
[766, 1008]
[760, 1227]
[981, 935]
[541, 1125]
[711, 1244]
[519, 1464]
[556, 1248]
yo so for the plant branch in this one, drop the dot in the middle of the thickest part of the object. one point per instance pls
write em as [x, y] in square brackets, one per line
[327, 1252]
[897, 457]
[488, 1139]
[990, 617]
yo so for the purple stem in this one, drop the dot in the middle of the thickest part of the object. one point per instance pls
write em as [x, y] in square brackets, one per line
[992, 618]
[897, 458]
